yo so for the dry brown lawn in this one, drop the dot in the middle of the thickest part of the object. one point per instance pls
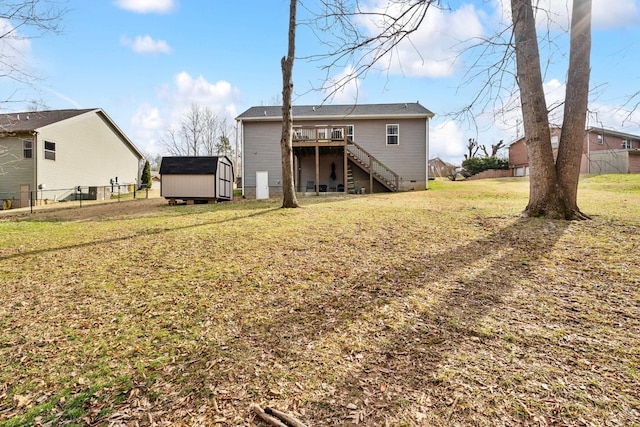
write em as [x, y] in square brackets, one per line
[436, 308]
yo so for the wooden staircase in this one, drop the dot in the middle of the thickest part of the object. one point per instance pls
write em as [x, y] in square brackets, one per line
[351, 186]
[374, 167]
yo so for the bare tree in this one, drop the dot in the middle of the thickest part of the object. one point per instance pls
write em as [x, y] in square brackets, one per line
[495, 148]
[199, 133]
[472, 148]
[289, 199]
[553, 184]
[21, 20]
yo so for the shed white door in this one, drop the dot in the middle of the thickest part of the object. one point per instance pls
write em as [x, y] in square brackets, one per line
[262, 185]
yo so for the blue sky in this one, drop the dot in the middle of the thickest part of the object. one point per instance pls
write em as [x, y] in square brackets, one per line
[145, 61]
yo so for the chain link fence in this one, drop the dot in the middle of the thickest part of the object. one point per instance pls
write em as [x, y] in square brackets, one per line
[43, 196]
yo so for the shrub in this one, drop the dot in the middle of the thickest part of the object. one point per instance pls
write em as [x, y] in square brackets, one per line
[475, 165]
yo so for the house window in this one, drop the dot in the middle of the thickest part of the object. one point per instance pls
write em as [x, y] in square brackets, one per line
[626, 144]
[27, 149]
[392, 134]
[554, 141]
[600, 139]
[49, 150]
[349, 132]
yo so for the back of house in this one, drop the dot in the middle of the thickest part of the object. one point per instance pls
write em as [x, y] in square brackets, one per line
[338, 148]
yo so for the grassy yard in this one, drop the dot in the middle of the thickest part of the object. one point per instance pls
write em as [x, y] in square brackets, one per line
[433, 308]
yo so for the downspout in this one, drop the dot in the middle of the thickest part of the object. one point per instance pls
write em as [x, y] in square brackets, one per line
[242, 156]
[35, 166]
[426, 182]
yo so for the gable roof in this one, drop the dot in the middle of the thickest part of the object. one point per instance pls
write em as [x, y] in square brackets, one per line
[189, 165]
[30, 121]
[358, 111]
[33, 120]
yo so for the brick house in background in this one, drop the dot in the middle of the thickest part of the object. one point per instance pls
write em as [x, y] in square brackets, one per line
[603, 151]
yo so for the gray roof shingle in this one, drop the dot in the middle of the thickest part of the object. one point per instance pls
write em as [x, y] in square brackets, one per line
[189, 165]
[29, 121]
[339, 111]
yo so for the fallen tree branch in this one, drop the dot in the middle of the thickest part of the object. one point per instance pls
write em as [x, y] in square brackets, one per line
[267, 418]
[292, 421]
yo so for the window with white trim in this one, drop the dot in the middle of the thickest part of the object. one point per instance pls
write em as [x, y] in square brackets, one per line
[393, 134]
[49, 150]
[27, 149]
[626, 144]
[600, 141]
[349, 132]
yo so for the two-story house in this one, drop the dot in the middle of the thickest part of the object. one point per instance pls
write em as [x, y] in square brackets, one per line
[337, 148]
[48, 154]
[603, 151]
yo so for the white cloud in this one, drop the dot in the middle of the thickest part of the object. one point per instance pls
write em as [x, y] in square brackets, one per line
[349, 93]
[150, 122]
[189, 90]
[447, 141]
[14, 50]
[147, 45]
[433, 50]
[147, 6]
[556, 14]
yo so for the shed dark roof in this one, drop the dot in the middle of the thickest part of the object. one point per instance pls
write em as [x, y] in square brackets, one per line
[29, 121]
[189, 165]
[338, 111]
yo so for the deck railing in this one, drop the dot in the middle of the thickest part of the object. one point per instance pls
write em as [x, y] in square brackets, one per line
[320, 134]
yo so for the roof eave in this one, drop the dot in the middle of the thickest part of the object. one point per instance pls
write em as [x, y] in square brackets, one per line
[332, 117]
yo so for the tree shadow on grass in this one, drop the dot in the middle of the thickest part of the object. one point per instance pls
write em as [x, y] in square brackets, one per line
[397, 329]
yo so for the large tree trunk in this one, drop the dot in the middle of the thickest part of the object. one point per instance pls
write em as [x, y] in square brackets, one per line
[544, 196]
[552, 189]
[570, 148]
[289, 199]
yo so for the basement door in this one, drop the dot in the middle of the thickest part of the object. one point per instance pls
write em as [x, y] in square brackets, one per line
[262, 185]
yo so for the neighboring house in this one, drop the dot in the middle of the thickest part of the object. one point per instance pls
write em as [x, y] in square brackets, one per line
[337, 148]
[56, 151]
[441, 169]
[155, 180]
[603, 151]
[203, 178]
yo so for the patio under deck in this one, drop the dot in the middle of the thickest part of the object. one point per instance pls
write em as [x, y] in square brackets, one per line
[316, 140]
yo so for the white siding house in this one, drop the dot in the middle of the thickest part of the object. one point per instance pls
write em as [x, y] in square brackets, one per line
[56, 151]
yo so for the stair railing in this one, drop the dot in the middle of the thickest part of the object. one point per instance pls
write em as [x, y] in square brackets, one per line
[375, 167]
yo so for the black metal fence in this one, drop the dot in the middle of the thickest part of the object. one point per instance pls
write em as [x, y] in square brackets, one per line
[44, 196]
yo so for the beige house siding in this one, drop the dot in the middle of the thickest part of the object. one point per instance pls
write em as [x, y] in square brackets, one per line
[88, 152]
[15, 170]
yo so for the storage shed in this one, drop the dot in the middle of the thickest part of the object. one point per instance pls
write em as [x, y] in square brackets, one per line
[203, 179]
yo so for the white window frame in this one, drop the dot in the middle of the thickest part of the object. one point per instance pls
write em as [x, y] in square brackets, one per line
[600, 139]
[350, 132]
[626, 144]
[50, 153]
[397, 134]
